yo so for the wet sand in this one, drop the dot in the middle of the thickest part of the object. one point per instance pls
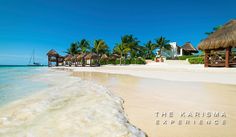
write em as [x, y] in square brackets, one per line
[69, 107]
[144, 97]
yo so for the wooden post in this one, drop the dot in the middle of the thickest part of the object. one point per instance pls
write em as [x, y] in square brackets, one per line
[57, 61]
[49, 61]
[227, 57]
[206, 60]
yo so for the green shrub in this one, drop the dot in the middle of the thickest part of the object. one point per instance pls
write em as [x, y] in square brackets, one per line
[126, 61]
[118, 61]
[196, 60]
[137, 61]
[186, 57]
[141, 61]
[111, 61]
[103, 62]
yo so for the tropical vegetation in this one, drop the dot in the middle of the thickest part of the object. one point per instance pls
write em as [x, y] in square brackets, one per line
[196, 60]
[214, 29]
[163, 44]
[127, 51]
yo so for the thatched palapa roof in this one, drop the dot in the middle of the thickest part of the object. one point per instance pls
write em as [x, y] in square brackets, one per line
[52, 52]
[68, 57]
[81, 56]
[222, 38]
[189, 47]
[114, 56]
[104, 57]
[91, 56]
[74, 58]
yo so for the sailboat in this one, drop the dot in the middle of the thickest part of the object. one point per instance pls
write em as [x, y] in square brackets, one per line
[32, 61]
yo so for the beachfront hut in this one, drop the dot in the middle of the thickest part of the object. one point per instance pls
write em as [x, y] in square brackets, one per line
[53, 56]
[219, 46]
[68, 59]
[188, 49]
[92, 57]
[81, 58]
[114, 56]
[74, 59]
[104, 57]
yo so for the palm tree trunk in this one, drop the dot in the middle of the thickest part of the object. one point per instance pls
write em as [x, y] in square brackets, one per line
[125, 59]
[161, 54]
[120, 58]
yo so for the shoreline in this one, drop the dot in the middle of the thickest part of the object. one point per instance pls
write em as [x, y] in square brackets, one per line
[145, 96]
[67, 109]
[143, 91]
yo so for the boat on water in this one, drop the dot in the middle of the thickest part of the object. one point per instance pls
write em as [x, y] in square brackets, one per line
[32, 61]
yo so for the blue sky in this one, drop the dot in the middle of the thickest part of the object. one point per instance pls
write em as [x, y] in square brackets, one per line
[45, 24]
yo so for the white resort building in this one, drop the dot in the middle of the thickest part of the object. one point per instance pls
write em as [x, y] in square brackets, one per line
[176, 51]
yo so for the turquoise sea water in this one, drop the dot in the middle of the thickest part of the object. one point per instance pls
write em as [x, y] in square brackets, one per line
[17, 82]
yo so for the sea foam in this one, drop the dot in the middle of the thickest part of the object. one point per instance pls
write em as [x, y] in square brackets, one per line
[69, 107]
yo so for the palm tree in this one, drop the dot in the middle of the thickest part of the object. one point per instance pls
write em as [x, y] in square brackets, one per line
[131, 42]
[162, 44]
[121, 49]
[149, 48]
[84, 46]
[100, 47]
[214, 29]
[73, 49]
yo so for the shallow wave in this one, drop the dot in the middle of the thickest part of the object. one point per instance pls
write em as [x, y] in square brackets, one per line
[70, 107]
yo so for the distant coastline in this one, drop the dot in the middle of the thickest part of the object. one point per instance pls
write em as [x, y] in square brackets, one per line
[21, 66]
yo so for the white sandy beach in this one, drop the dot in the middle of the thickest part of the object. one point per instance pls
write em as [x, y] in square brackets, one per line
[171, 87]
[90, 102]
[172, 70]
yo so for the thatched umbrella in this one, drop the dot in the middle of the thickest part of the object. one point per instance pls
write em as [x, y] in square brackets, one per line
[223, 38]
[189, 48]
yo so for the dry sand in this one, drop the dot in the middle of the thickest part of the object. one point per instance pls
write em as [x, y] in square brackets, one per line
[144, 97]
[172, 88]
[168, 71]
